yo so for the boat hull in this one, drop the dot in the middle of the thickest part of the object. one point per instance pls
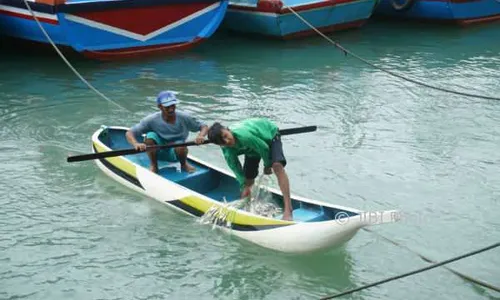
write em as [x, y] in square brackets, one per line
[327, 16]
[104, 30]
[462, 12]
[298, 236]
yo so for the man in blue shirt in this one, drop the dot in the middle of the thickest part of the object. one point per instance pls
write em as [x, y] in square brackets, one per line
[167, 126]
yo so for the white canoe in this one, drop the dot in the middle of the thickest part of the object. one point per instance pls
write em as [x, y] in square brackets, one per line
[316, 225]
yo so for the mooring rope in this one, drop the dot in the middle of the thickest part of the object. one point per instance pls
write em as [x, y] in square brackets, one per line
[384, 69]
[412, 272]
[67, 62]
[464, 276]
[346, 52]
[427, 259]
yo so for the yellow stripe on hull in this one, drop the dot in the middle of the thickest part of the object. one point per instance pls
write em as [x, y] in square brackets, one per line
[233, 215]
[119, 162]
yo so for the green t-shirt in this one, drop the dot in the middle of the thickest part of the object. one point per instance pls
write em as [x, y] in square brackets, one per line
[253, 137]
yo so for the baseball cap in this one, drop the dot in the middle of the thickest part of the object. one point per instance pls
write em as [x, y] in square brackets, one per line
[167, 98]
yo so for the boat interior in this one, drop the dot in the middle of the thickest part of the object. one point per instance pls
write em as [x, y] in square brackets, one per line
[214, 184]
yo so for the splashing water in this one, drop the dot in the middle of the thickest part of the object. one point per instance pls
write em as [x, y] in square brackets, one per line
[220, 214]
[260, 202]
[261, 199]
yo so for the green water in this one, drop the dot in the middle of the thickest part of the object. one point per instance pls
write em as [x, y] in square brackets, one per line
[69, 232]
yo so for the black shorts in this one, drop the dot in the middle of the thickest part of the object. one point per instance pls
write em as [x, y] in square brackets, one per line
[251, 165]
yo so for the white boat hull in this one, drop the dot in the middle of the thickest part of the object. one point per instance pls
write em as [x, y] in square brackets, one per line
[276, 234]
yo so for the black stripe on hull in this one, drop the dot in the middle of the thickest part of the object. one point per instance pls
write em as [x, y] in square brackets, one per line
[240, 227]
[119, 172]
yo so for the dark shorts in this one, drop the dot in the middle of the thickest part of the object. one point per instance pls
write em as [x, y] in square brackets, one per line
[251, 165]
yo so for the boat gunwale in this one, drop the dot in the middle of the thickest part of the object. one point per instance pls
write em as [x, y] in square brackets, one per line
[309, 7]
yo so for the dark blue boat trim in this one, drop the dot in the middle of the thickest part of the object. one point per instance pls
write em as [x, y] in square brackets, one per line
[119, 172]
[97, 6]
[38, 7]
[100, 6]
[197, 213]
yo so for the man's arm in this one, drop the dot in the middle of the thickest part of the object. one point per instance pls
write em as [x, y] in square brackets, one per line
[131, 133]
[234, 164]
[195, 125]
[201, 136]
[131, 138]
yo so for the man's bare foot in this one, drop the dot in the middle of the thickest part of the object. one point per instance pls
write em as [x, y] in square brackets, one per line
[287, 216]
[188, 168]
[154, 169]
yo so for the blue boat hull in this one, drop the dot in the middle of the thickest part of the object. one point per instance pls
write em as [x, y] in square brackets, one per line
[104, 29]
[464, 12]
[327, 16]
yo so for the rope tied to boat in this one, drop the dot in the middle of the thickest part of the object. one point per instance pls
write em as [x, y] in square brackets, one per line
[435, 265]
[346, 51]
[67, 62]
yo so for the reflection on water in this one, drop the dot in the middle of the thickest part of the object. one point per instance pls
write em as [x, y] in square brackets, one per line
[278, 275]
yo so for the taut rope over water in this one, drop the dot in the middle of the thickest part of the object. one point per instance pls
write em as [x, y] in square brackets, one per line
[384, 69]
[67, 62]
[412, 272]
[427, 259]
[346, 52]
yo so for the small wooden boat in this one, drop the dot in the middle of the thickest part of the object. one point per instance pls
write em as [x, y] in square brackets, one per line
[275, 18]
[462, 12]
[113, 29]
[316, 225]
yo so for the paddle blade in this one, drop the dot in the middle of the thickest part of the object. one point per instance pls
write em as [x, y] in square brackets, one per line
[298, 130]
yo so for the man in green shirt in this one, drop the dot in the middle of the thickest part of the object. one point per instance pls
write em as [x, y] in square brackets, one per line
[256, 138]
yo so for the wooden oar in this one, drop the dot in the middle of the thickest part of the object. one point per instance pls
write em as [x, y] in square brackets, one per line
[134, 151]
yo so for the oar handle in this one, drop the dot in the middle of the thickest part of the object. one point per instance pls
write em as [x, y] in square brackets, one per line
[186, 144]
[113, 153]
[298, 130]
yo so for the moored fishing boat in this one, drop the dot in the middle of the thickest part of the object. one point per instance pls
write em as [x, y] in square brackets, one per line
[275, 17]
[462, 12]
[113, 29]
[316, 225]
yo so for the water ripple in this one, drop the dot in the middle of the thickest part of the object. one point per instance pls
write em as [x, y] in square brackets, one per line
[69, 232]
